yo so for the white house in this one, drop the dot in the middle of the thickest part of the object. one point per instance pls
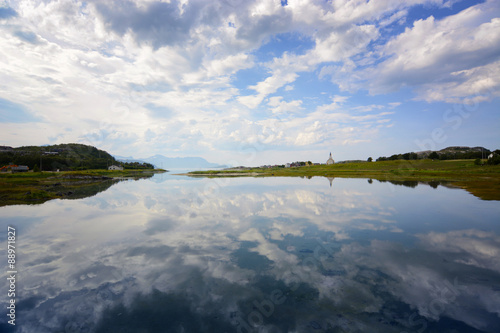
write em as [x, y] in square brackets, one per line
[330, 160]
[115, 167]
[490, 156]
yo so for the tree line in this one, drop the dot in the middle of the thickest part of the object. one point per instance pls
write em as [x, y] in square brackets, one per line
[137, 165]
[447, 155]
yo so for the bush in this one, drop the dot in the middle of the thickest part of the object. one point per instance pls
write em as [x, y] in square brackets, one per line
[478, 161]
[495, 160]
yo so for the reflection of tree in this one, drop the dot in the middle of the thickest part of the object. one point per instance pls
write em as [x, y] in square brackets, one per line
[434, 183]
[70, 187]
[406, 183]
[412, 183]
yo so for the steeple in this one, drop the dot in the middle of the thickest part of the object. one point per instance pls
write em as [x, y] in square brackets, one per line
[330, 160]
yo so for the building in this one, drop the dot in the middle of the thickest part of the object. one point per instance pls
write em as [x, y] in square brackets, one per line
[20, 168]
[115, 167]
[330, 160]
[330, 179]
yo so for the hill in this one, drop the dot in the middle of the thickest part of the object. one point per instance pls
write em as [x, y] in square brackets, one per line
[448, 153]
[65, 157]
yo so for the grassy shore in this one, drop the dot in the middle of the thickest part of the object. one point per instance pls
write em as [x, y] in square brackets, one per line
[481, 180]
[38, 187]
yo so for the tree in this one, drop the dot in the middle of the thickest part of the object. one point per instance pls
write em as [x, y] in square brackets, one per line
[434, 156]
[369, 159]
[36, 168]
[495, 160]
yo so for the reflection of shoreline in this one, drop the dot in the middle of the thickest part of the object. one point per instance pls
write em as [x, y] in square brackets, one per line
[484, 189]
[414, 183]
[38, 189]
[481, 181]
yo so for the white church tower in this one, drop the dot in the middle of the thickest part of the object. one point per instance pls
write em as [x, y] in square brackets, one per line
[330, 160]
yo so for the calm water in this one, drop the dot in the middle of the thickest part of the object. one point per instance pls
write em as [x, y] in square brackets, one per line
[175, 254]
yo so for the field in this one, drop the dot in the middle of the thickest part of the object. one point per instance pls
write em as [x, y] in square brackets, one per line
[38, 187]
[481, 180]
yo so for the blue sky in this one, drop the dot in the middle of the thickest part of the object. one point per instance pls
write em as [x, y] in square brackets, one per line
[251, 82]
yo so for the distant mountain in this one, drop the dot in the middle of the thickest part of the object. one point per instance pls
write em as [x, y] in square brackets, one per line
[164, 162]
[128, 159]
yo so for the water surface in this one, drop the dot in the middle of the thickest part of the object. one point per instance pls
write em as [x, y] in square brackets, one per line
[176, 254]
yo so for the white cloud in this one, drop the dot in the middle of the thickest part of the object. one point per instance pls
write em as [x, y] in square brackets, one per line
[282, 108]
[335, 46]
[482, 248]
[114, 71]
[452, 59]
[268, 86]
[471, 86]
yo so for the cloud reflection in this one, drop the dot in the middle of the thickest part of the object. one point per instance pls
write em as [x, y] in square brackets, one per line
[340, 257]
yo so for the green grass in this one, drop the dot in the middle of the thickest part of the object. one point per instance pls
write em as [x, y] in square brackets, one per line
[38, 187]
[449, 168]
[482, 181]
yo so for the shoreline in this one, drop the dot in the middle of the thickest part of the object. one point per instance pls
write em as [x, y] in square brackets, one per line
[483, 181]
[39, 187]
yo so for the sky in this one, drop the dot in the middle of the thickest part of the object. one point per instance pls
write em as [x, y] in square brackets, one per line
[251, 82]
